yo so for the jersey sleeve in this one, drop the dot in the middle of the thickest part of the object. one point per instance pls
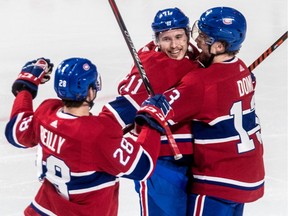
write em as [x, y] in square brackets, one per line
[125, 156]
[19, 129]
[123, 108]
[162, 72]
[187, 97]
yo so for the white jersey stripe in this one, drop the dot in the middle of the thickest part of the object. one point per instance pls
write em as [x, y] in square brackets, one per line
[229, 181]
[98, 187]
[223, 140]
[42, 209]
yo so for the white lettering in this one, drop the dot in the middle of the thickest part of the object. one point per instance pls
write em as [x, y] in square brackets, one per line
[50, 140]
[240, 88]
[60, 143]
[245, 86]
[25, 123]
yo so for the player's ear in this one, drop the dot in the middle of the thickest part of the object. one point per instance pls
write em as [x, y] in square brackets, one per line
[220, 47]
[92, 93]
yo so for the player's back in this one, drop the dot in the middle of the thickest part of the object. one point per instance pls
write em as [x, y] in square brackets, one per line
[228, 149]
[71, 159]
[227, 135]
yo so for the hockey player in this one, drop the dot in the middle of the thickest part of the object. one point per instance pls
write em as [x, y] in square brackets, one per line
[228, 168]
[165, 60]
[80, 156]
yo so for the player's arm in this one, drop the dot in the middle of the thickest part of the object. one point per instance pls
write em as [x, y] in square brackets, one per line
[135, 159]
[162, 72]
[18, 130]
[123, 109]
[187, 97]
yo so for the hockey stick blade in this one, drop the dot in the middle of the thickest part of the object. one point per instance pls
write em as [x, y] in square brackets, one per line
[267, 52]
[138, 63]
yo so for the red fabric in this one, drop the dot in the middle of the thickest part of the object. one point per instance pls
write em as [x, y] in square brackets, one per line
[80, 157]
[163, 74]
[220, 100]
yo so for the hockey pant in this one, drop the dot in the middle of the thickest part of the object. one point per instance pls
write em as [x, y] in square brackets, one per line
[164, 193]
[201, 205]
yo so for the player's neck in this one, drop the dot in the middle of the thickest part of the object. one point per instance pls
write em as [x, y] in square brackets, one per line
[222, 58]
[77, 111]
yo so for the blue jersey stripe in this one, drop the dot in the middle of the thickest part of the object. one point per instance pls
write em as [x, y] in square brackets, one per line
[124, 108]
[224, 128]
[10, 131]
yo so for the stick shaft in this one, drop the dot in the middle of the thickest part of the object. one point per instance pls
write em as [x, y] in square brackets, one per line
[131, 47]
[267, 52]
[138, 63]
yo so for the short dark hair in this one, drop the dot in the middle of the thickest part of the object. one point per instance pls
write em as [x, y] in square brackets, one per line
[225, 44]
[71, 103]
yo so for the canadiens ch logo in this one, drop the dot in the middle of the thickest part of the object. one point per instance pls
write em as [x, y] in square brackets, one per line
[86, 67]
[227, 21]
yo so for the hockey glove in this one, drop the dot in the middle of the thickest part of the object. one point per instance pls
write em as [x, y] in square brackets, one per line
[33, 73]
[154, 111]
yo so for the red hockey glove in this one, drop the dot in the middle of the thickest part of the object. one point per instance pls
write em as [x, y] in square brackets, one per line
[155, 111]
[33, 73]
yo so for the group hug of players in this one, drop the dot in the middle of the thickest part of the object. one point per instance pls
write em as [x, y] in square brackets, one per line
[205, 93]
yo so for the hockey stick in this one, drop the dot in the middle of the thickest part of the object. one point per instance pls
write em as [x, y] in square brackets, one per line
[138, 63]
[267, 52]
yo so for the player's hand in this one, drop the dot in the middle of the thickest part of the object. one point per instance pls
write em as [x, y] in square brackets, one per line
[32, 74]
[155, 111]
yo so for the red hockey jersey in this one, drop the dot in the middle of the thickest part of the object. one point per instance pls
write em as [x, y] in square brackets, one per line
[163, 74]
[228, 149]
[79, 158]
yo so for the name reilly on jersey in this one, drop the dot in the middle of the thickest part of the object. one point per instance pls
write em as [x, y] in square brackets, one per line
[52, 141]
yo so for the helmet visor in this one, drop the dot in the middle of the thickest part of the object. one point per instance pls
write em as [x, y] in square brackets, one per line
[196, 33]
[98, 83]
